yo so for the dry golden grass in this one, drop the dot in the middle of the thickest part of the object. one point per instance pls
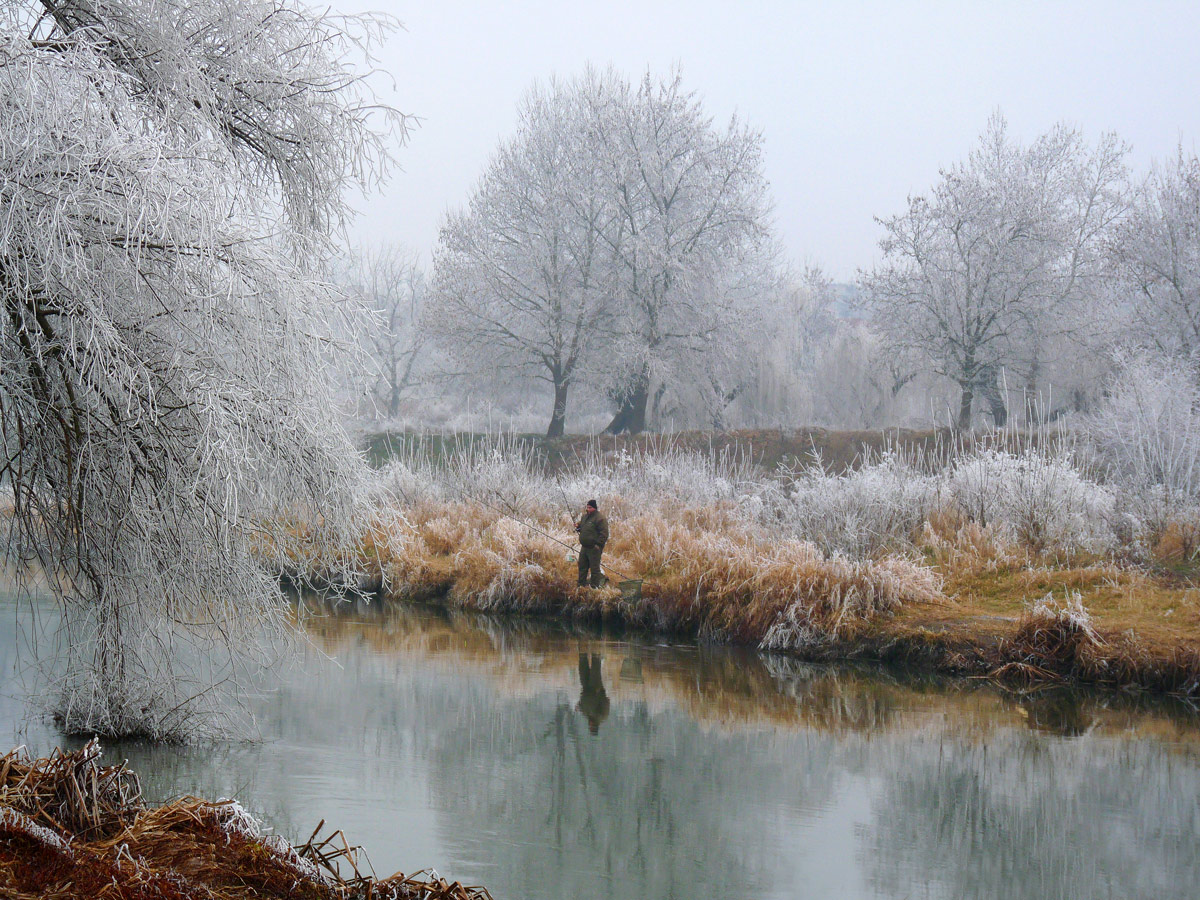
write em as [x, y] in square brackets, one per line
[954, 598]
[1143, 621]
[705, 573]
[709, 574]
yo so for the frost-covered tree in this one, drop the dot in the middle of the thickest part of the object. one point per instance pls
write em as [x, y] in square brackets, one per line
[168, 172]
[389, 285]
[981, 276]
[619, 237]
[695, 250]
[1158, 252]
[523, 278]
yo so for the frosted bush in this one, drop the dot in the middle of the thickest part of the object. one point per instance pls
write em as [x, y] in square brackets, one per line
[685, 477]
[1147, 434]
[1034, 498]
[862, 512]
[504, 479]
[411, 485]
[502, 474]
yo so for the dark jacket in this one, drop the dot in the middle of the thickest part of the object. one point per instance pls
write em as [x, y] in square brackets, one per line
[593, 530]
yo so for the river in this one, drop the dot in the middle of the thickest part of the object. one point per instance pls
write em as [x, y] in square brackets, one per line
[550, 762]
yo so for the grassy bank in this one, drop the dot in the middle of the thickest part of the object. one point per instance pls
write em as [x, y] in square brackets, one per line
[1019, 564]
[73, 828]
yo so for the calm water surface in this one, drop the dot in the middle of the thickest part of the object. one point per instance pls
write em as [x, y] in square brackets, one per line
[545, 763]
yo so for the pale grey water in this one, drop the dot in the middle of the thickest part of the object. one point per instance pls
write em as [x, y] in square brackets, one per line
[491, 752]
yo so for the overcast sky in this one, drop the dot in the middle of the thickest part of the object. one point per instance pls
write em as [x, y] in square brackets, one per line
[859, 103]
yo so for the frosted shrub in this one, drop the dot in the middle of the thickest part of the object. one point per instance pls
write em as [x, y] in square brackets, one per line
[860, 513]
[411, 485]
[504, 478]
[501, 474]
[673, 477]
[1034, 498]
[1147, 433]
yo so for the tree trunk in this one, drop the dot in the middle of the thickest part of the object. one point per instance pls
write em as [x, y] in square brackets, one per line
[631, 417]
[558, 417]
[964, 407]
[996, 407]
[989, 385]
[393, 401]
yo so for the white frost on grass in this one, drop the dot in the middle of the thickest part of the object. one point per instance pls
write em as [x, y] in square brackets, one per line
[234, 819]
[866, 511]
[1045, 499]
[14, 820]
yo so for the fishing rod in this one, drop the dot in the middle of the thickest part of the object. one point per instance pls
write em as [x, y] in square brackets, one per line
[545, 534]
[566, 500]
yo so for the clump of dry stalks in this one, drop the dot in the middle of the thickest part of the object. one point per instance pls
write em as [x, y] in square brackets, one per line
[1053, 639]
[72, 828]
[1057, 640]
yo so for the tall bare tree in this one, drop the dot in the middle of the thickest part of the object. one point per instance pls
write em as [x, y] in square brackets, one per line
[1158, 253]
[619, 236]
[390, 286]
[981, 275]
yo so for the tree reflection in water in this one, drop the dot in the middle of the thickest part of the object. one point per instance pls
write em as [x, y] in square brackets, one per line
[499, 755]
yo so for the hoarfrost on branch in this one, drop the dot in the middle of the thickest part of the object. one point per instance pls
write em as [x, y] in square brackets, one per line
[168, 176]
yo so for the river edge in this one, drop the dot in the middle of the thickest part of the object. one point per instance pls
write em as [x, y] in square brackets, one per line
[1007, 639]
[950, 592]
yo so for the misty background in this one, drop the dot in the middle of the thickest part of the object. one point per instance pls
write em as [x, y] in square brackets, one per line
[859, 107]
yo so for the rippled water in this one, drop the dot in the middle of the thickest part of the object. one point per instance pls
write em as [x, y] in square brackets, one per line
[545, 763]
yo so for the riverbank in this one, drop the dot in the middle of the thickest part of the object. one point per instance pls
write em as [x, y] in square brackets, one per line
[73, 828]
[1018, 565]
[1021, 623]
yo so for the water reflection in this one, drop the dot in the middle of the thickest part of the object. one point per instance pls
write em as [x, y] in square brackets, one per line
[556, 762]
[1058, 712]
[593, 700]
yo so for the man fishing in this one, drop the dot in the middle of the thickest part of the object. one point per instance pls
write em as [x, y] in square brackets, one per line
[593, 535]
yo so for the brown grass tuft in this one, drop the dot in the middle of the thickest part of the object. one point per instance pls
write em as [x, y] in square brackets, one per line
[1053, 639]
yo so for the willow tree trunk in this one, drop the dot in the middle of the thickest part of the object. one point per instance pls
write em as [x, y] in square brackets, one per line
[631, 417]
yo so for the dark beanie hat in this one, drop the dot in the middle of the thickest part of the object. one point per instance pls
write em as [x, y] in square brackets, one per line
[592, 504]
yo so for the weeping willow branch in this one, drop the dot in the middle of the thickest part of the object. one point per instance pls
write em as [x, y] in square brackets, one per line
[167, 176]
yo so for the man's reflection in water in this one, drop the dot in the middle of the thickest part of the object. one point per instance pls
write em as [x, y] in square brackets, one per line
[593, 701]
